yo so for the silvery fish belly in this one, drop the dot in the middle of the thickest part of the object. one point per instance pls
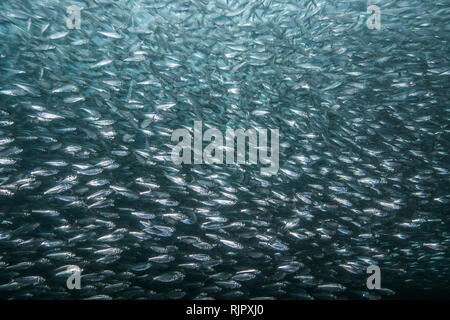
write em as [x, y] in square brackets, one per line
[224, 149]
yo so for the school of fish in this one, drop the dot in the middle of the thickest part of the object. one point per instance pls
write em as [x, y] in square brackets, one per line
[87, 180]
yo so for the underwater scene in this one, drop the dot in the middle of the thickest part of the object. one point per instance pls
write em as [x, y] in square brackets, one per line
[224, 149]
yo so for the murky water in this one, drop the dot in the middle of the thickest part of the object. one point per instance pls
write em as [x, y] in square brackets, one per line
[90, 98]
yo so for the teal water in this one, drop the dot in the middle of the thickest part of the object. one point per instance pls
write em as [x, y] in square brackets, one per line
[87, 178]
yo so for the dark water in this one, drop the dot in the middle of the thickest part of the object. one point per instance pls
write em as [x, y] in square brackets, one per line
[87, 179]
